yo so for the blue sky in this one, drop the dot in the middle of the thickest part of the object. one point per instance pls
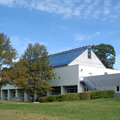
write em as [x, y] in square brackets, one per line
[61, 24]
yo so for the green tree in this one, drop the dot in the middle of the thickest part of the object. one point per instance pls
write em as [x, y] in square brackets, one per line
[33, 71]
[7, 55]
[105, 53]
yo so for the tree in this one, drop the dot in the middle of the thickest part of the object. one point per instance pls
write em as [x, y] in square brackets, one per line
[33, 71]
[7, 55]
[105, 53]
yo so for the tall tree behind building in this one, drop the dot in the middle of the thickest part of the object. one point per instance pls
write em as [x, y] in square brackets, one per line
[106, 54]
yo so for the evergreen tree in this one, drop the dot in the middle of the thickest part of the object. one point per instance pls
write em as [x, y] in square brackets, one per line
[33, 71]
[105, 53]
[7, 55]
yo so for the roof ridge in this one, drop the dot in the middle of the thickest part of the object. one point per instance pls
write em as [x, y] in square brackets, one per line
[88, 46]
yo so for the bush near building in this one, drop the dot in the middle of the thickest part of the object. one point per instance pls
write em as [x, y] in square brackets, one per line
[79, 96]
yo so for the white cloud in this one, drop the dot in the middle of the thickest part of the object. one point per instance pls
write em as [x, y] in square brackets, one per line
[98, 33]
[117, 7]
[62, 27]
[80, 37]
[9, 3]
[68, 8]
[96, 14]
[114, 16]
[88, 11]
[107, 2]
[106, 11]
[96, 2]
[88, 1]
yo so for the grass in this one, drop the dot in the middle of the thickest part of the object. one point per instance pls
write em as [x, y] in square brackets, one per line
[98, 109]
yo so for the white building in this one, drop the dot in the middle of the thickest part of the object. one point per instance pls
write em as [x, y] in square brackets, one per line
[71, 67]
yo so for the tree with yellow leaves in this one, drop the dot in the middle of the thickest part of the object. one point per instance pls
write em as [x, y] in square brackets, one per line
[33, 72]
[7, 55]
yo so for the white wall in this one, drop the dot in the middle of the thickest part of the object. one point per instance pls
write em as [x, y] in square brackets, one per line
[92, 71]
[84, 60]
[68, 76]
[85, 71]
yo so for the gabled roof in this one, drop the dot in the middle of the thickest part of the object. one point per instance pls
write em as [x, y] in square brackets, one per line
[64, 58]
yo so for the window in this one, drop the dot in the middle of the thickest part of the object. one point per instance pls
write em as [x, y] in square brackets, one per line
[118, 88]
[13, 93]
[86, 89]
[90, 74]
[56, 90]
[72, 89]
[89, 53]
[6, 94]
[105, 73]
[42, 95]
[22, 95]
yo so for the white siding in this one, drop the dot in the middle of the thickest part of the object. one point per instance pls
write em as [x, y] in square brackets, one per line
[84, 60]
[68, 76]
[85, 71]
[92, 71]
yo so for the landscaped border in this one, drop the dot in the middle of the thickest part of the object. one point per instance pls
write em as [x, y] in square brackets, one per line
[79, 96]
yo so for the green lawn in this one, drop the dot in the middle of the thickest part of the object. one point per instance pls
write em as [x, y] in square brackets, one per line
[99, 109]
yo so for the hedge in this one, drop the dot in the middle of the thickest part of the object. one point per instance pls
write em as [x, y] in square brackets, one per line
[102, 94]
[79, 96]
[58, 98]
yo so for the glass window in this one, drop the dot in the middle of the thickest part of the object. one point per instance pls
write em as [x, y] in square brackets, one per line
[118, 88]
[22, 95]
[90, 74]
[89, 53]
[6, 93]
[72, 89]
[42, 95]
[13, 93]
[56, 90]
[105, 73]
[86, 89]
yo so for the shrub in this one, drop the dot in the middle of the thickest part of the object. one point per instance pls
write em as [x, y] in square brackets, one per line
[51, 98]
[64, 97]
[79, 96]
[102, 94]
[70, 97]
[43, 99]
[84, 96]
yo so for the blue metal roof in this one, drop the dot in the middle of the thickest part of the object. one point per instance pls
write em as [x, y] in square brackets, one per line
[64, 58]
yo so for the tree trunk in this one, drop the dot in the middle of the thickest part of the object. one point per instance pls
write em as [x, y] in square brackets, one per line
[33, 100]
